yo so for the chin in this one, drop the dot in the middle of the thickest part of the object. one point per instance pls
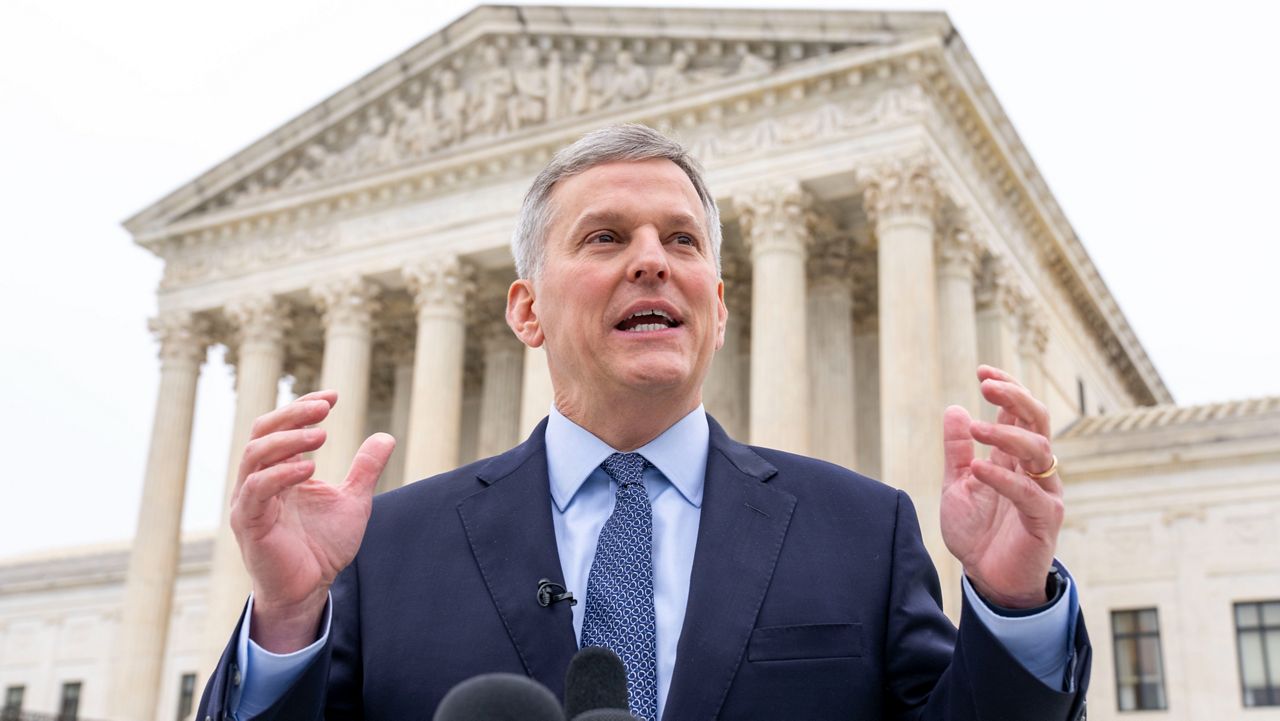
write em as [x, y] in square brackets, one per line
[658, 374]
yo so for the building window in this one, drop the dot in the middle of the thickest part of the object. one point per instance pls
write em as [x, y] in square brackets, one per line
[69, 708]
[12, 702]
[1139, 668]
[1084, 410]
[1258, 639]
[186, 695]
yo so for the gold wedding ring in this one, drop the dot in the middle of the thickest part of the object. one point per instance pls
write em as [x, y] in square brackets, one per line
[1053, 468]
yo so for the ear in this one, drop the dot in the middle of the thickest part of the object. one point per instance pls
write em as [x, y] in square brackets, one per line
[722, 314]
[522, 317]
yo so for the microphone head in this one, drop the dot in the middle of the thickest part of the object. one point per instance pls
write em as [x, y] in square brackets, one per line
[605, 714]
[596, 679]
[499, 697]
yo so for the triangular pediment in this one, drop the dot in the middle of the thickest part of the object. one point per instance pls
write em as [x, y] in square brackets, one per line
[500, 71]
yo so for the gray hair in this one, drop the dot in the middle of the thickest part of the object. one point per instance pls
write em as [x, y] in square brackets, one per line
[630, 142]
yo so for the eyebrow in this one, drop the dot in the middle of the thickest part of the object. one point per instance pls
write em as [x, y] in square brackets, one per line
[610, 217]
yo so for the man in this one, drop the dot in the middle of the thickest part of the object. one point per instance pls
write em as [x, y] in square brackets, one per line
[734, 581]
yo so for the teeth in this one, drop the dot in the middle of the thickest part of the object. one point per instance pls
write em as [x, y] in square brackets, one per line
[647, 327]
[653, 311]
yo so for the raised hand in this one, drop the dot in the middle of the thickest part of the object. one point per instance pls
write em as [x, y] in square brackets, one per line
[296, 532]
[999, 520]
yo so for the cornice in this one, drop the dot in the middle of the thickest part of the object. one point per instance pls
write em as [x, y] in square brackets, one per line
[89, 566]
[966, 95]
[1265, 411]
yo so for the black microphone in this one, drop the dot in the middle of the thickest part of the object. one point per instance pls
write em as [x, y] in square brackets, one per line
[550, 592]
[499, 697]
[605, 714]
[596, 681]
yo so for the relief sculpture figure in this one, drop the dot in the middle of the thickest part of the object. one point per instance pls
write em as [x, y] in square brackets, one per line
[494, 86]
[529, 104]
[453, 103]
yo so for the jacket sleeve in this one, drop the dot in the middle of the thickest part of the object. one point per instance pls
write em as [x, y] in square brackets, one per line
[329, 687]
[929, 679]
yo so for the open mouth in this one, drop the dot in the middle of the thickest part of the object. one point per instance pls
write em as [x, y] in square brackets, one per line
[647, 320]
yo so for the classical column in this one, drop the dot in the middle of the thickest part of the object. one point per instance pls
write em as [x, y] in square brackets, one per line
[725, 392]
[998, 299]
[500, 389]
[153, 559]
[866, 367]
[260, 324]
[776, 226]
[901, 199]
[348, 305]
[401, 397]
[536, 391]
[866, 356]
[440, 288]
[833, 420]
[957, 322]
[1033, 339]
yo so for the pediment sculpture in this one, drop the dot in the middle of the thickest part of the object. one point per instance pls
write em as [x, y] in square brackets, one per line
[501, 85]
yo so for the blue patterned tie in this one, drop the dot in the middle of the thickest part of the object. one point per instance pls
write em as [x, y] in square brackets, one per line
[619, 614]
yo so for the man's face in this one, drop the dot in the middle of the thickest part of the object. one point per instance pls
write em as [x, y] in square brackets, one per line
[628, 239]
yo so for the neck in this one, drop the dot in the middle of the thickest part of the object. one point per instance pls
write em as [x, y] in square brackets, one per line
[628, 422]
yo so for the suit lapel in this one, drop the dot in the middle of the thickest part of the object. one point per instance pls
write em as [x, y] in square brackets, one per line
[508, 524]
[743, 523]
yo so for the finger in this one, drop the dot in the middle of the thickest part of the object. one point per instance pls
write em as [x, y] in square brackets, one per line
[1031, 450]
[1026, 495]
[278, 447]
[957, 443]
[367, 466]
[252, 500]
[305, 411]
[998, 456]
[994, 373]
[1029, 412]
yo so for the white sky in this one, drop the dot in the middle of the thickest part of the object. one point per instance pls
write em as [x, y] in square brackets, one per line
[1157, 125]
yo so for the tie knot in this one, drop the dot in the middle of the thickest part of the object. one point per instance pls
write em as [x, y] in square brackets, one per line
[625, 468]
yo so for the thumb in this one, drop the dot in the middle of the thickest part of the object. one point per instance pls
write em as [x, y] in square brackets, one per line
[369, 462]
[957, 443]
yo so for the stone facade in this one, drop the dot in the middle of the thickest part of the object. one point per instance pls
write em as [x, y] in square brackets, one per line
[885, 230]
[1175, 509]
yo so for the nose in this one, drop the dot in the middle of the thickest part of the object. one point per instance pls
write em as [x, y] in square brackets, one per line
[648, 257]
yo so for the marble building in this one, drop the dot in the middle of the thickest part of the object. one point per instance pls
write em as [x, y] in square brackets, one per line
[885, 232]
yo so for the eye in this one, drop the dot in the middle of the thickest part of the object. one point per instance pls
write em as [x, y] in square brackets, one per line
[605, 237]
[686, 239]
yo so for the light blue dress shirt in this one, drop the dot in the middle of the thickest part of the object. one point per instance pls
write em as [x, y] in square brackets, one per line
[582, 496]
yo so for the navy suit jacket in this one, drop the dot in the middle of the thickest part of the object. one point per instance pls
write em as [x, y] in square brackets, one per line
[812, 597]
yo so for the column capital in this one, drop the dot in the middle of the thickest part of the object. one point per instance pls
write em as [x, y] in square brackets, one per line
[183, 336]
[258, 319]
[958, 252]
[440, 284]
[735, 271]
[998, 288]
[1033, 330]
[348, 300]
[903, 186]
[395, 336]
[775, 216]
[831, 261]
[306, 377]
[866, 289]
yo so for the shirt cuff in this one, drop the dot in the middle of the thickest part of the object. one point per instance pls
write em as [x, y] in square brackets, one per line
[1041, 641]
[265, 676]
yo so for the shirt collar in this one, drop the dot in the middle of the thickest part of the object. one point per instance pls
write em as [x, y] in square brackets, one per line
[679, 453]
